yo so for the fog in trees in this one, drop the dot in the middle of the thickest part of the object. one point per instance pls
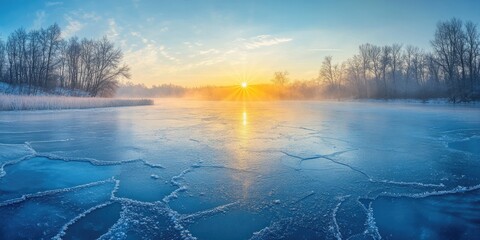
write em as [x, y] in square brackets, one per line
[450, 70]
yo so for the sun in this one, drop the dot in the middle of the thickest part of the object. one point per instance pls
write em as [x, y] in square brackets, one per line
[242, 90]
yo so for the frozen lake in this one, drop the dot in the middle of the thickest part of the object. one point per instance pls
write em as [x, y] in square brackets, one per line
[233, 170]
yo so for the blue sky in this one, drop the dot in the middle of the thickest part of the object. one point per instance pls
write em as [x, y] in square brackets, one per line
[198, 43]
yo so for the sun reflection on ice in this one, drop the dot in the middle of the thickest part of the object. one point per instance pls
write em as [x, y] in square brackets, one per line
[242, 156]
[244, 115]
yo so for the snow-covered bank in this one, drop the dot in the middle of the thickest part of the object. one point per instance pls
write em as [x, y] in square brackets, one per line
[20, 102]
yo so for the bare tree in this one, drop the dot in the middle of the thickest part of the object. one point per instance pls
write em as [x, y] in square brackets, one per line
[385, 62]
[108, 68]
[410, 58]
[364, 57]
[73, 62]
[52, 42]
[374, 52]
[448, 46]
[332, 75]
[433, 68]
[327, 72]
[396, 62]
[354, 73]
[2, 60]
[472, 39]
[280, 78]
[34, 60]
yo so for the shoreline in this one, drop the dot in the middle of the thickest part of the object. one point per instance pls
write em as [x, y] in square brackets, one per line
[12, 102]
[25, 102]
[432, 101]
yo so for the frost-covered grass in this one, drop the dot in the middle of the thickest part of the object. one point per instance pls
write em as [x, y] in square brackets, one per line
[20, 102]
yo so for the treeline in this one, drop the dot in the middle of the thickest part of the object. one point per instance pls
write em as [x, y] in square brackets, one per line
[43, 60]
[451, 69]
[130, 89]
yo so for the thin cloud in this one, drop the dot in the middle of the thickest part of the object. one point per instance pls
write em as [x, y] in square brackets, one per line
[39, 19]
[209, 51]
[264, 41]
[143, 39]
[326, 49]
[112, 32]
[91, 16]
[135, 3]
[155, 52]
[72, 27]
[84, 15]
[163, 51]
[51, 4]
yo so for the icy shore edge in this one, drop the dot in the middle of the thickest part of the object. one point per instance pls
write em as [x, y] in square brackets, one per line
[21, 102]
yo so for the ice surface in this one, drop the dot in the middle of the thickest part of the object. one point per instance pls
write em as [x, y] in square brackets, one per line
[235, 224]
[92, 223]
[446, 216]
[43, 216]
[229, 170]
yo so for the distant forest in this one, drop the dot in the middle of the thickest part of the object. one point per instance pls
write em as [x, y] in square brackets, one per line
[43, 60]
[451, 69]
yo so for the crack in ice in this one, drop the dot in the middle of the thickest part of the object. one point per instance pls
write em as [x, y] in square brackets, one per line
[336, 228]
[52, 192]
[200, 214]
[371, 179]
[65, 227]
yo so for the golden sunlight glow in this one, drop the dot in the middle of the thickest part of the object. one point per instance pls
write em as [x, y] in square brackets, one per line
[244, 118]
[241, 92]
